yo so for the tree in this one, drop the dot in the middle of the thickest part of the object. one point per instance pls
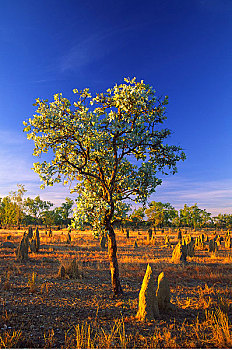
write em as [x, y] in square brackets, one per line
[50, 217]
[35, 207]
[112, 145]
[17, 198]
[161, 214]
[66, 209]
[206, 219]
[8, 212]
[223, 221]
[92, 212]
[194, 217]
[11, 207]
[137, 216]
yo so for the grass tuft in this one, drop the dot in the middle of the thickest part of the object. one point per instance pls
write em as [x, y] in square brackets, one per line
[9, 341]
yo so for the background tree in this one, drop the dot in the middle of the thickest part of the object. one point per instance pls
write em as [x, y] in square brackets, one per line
[206, 219]
[193, 216]
[35, 207]
[121, 213]
[223, 221]
[9, 212]
[17, 198]
[161, 214]
[114, 149]
[66, 210]
[51, 217]
[137, 217]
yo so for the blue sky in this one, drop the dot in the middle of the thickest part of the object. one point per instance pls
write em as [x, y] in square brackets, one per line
[182, 48]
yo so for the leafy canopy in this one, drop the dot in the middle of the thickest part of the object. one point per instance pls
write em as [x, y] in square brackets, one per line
[35, 207]
[194, 216]
[109, 147]
[161, 214]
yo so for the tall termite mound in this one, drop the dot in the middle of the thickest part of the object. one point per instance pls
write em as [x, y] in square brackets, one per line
[34, 241]
[228, 243]
[127, 233]
[30, 232]
[163, 294]
[167, 241]
[179, 253]
[152, 301]
[22, 251]
[148, 304]
[213, 247]
[190, 247]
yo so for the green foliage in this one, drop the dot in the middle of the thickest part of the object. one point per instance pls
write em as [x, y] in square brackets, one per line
[161, 214]
[38, 211]
[15, 210]
[223, 221]
[109, 147]
[92, 212]
[35, 207]
[17, 198]
[9, 212]
[66, 209]
[137, 216]
[51, 217]
[11, 207]
[194, 217]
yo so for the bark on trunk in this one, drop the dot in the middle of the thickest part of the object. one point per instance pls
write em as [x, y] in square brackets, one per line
[112, 251]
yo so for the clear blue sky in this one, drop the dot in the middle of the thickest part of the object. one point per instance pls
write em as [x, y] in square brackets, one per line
[183, 48]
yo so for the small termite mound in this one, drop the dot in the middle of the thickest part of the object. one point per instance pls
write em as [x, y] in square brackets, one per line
[190, 248]
[61, 272]
[135, 244]
[70, 270]
[69, 239]
[127, 233]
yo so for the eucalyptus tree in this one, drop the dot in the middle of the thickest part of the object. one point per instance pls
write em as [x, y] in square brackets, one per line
[194, 217]
[11, 207]
[223, 221]
[161, 214]
[109, 148]
[66, 209]
[9, 212]
[17, 198]
[137, 216]
[36, 206]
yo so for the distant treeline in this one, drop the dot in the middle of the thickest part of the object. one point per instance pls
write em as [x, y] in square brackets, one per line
[15, 210]
[161, 215]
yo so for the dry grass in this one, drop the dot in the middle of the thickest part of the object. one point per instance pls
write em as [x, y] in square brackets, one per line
[32, 282]
[37, 309]
[10, 340]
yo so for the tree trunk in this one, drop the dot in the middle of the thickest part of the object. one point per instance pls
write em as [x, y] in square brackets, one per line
[112, 251]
